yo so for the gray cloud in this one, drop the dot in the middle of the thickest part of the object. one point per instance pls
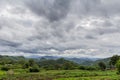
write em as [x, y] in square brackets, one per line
[81, 28]
[52, 9]
[100, 8]
[8, 43]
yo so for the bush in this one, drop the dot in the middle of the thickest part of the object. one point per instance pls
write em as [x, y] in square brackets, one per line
[10, 72]
[118, 67]
[5, 68]
[25, 65]
[102, 66]
[82, 67]
[91, 68]
[34, 69]
[87, 68]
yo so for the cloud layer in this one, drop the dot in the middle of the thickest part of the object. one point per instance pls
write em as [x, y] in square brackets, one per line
[66, 28]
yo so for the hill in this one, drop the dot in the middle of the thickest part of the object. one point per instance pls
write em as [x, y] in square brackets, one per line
[81, 61]
[105, 60]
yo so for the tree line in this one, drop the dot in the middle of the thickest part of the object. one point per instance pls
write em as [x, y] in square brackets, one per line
[114, 63]
[35, 65]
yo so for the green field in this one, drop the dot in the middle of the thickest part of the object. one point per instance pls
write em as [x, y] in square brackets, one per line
[60, 75]
[20, 68]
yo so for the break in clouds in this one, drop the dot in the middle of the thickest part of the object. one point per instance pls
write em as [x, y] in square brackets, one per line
[65, 28]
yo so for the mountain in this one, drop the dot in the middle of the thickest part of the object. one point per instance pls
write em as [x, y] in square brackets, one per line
[46, 57]
[105, 60]
[81, 61]
[90, 61]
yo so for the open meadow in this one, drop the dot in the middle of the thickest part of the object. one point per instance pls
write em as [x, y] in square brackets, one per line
[20, 68]
[59, 75]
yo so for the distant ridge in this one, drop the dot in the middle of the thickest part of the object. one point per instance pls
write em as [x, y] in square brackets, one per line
[82, 61]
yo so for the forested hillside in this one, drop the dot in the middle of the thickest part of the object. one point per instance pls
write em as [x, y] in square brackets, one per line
[49, 69]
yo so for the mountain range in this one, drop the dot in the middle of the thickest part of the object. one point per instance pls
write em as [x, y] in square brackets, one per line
[82, 61]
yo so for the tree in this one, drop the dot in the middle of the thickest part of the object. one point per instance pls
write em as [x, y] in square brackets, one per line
[25, 65]
[5, 68]
[118, 66]
[102, 65]
[114, 60]
[31, 62]
[34, 68]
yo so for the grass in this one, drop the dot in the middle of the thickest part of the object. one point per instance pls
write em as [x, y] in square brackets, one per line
[21, 74]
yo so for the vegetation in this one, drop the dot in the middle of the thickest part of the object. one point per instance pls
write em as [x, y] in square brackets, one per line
[34, 69]
[102, 65]
[20, 68]
[113, 60]
[118, 67]
[62, 75]
[5, 68]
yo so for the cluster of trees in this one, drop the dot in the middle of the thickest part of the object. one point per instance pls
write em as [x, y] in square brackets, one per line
[34, 65]
[58, 64]
[113, 60]
[102, 66]
[48, 64]
[88, 68]
[114, 63]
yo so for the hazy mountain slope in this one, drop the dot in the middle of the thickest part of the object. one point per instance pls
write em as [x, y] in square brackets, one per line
[81, 61]
[105, 60]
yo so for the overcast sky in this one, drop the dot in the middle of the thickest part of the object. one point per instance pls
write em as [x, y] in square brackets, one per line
[65, 28]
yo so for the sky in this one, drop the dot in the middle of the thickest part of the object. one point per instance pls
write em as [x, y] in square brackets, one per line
[63, 28]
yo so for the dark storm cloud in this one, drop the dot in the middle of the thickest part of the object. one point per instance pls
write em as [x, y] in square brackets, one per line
[52, 9]
[90, 37]
[8, 43]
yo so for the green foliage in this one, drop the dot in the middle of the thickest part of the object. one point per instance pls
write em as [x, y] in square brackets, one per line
[82, 67]
[31, 62]
[34, 69]
[64, 75]
[59, 64]
[10, 59]
[19, 68]
[88, 68]
[25, 65]
[102, 65]
[5, 68]
[114, 59]
[118, 66]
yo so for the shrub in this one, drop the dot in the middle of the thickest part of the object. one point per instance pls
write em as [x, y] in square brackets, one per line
[34, 69]
[82, 67]
[87, 68]
[118, 66]
[102, 66]
[91, 68]
[10, 72]
[5, 68]
[25, 65]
